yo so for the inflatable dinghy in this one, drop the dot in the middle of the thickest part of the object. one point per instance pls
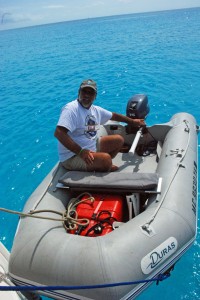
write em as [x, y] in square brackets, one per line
[7, 288]
[121, 227]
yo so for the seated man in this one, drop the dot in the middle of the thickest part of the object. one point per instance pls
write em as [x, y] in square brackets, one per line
[77, 128]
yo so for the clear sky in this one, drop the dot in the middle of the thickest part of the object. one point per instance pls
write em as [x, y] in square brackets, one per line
[21, 13]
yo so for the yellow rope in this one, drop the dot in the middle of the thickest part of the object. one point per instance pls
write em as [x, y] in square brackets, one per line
[31, 214]
[72, 222]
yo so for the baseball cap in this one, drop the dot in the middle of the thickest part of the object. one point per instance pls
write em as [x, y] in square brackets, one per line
[89, 83]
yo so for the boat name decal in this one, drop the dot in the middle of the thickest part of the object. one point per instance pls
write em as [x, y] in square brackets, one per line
[194, 190]
[158, 255]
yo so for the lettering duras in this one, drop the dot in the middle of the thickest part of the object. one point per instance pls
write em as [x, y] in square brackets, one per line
[194, 189]
[157, 257]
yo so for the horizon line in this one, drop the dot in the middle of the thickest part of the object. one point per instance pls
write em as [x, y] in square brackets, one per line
[99, 17]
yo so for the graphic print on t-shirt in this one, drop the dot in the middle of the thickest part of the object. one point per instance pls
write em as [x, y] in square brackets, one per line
[90, 127]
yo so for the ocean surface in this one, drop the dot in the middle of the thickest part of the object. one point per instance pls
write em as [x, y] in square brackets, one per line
[41, 69]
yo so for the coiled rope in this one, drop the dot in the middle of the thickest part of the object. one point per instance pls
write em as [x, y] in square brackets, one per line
[69, 218]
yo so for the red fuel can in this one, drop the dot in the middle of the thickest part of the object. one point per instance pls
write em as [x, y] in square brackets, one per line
[101, 214]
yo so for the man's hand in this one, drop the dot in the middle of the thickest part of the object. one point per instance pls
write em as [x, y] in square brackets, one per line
[137, 122]
[87, 156]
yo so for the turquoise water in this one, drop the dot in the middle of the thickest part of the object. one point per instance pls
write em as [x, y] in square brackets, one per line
[41, 69]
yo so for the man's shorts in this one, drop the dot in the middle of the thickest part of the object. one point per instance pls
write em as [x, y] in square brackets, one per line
[75, 163]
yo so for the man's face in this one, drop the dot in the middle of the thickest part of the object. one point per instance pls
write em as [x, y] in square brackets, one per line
[86, 97]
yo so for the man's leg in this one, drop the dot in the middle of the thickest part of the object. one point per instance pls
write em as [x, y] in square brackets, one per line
[111, 144]
[102, 162]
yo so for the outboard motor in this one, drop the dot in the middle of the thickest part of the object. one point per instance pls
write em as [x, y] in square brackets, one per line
[137, 107]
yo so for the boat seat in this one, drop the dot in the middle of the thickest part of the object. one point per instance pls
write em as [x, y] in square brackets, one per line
[113, 181]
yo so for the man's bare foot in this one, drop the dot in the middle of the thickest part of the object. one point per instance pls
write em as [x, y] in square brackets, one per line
[113, 168]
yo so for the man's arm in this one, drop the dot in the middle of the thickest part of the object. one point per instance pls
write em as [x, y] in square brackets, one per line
[61, 134]
[125, 119]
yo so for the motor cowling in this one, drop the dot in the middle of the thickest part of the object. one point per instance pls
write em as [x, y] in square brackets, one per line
[137, 107]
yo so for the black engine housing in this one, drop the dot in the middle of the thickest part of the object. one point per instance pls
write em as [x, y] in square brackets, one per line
[137, 107]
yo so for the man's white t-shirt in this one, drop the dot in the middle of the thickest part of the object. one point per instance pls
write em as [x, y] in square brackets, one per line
[82, 124]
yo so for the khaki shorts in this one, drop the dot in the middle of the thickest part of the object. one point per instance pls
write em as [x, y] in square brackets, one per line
[76, 163]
